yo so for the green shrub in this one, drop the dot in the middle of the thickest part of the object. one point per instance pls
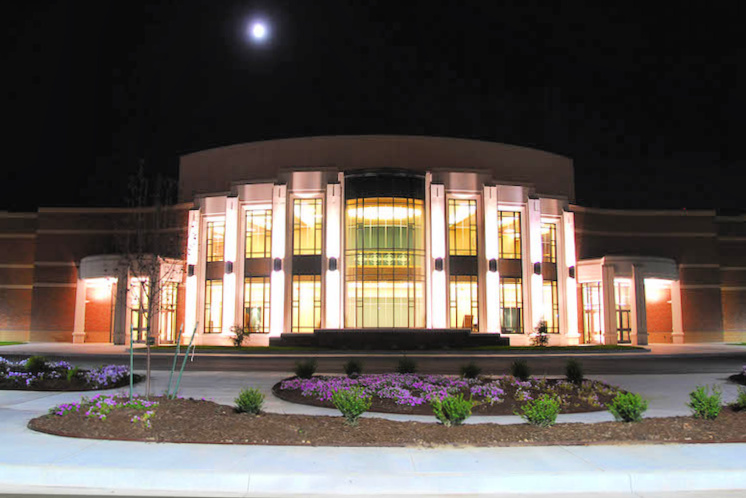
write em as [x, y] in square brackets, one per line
[740, 402]
[705, 405]
[520, 370]
[406, 366]
[36, 364]
[574, 371]
[353, 368]
[72, 373]
[352, 402]
[452, 410]
[250, 400]
[471, 370]
[305, 369]
[628, 407]
[541, 411]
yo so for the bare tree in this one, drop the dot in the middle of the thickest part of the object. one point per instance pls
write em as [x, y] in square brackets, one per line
[152, 250]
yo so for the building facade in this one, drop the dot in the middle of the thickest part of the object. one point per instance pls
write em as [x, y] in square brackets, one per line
[287, 237]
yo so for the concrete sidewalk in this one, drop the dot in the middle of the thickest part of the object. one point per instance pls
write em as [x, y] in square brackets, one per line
[37, 463]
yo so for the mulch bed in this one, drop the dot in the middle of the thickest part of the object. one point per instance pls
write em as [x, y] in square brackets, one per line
[75, 384]
[508, 406]
[198, 421]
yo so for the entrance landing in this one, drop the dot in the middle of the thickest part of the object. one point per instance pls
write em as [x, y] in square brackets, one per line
[390, 338]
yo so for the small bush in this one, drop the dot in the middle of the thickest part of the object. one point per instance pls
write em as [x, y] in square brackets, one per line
[471, 370]
[406, 366]
[541, 411]
[705, 405]
[353, 368]
[574, 371]
[249, 400]
[540, 338]
[628, 407]
[740, 402]
[72, 373]
[36, 364]
[520, 370]
[240, 335]
[352, 402]
[452, 410]
[305, 369]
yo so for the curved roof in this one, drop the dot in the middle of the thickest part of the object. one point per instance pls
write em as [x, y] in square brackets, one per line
[215, 170]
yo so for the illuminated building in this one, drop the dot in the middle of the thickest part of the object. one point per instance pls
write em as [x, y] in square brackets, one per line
[355, 233]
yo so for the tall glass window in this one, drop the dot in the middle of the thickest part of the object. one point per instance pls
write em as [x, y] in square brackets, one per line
[464, 305]
[511, 304]
[213, 306]
[307, 221]
[591, 312]
[462, 227]
[167, 312]
[256, 304]
[385, 260]
[306, 303]
[509, 224]
[623, 310]
[139, 309]
[215, 231]
[549, 242]
[551, 306]
[258, 233]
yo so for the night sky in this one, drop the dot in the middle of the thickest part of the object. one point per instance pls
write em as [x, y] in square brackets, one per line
[648, 98]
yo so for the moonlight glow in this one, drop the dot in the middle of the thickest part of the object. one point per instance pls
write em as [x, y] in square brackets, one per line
[258, 31]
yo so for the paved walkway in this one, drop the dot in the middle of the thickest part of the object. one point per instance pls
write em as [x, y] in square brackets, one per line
[37, 463]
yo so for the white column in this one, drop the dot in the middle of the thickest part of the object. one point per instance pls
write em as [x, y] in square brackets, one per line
[491, 251]
[638, 318]
[677, 320]
[333, 319]
[535, 256]
[439, 305]
[277, 280]
[571, 284]
[608, 298]
[79, 323]
[229, 277]
[192, 287]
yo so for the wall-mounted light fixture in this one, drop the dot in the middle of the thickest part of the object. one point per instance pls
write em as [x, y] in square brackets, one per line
[277, 264]
[537, 268]
[228, 267]
[438, 264]
[190, 270]
[493, 265]
[332, 264]
[571, 272]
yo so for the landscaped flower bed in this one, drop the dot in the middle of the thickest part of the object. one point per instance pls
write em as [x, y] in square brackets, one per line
[38, 374]
[411, 393]
[200, 421]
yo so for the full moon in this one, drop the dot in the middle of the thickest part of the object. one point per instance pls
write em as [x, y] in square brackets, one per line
[258, 31]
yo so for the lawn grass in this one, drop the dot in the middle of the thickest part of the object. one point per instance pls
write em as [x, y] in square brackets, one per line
[10, 343]
[737, 344]
[539, 349]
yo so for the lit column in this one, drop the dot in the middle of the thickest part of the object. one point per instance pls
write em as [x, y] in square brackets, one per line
[438, 254]
[333, 254]
[79, 320]
[190, 300]
[277, 280]
[608, 298]
[677, 322]
[638, 318]
[229, 276]
[571, 285]
[535, 255]
[492, 255]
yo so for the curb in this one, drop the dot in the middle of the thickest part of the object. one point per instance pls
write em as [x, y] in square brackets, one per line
[127, 481]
